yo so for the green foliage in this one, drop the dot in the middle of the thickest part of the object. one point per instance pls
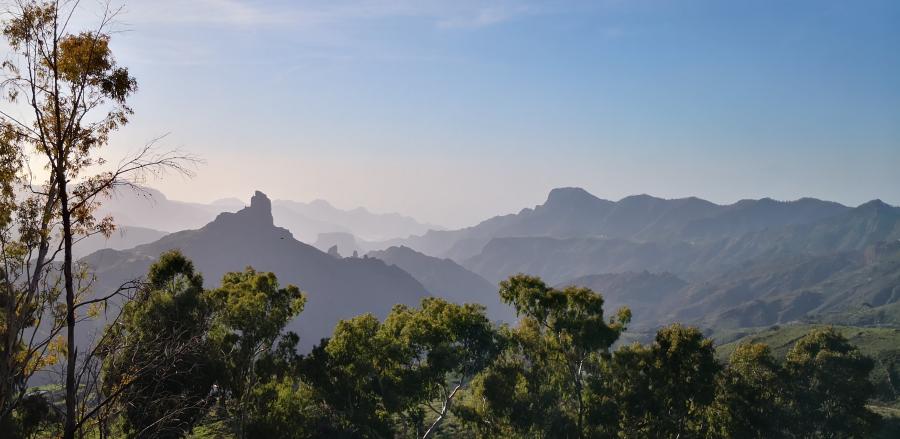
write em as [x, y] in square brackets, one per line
[379, 377]
[684, 370]
[880, 344]
[661, 390]
[250, 312]
[158, 362]
[751, 400]
[819, 391]
[830, 379]
[357, 374]
[34, 416]
[187, 362]
[286, 408]
[539, 385]
[672, 388]
[177, 349]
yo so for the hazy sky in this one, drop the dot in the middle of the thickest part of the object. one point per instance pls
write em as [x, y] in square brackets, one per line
[453, 111]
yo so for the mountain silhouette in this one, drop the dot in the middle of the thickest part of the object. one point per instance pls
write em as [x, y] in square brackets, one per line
[151, 209]
[336, 288]
[575, 213]
[561, 259]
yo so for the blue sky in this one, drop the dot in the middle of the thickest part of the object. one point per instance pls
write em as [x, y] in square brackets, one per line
[453, 111]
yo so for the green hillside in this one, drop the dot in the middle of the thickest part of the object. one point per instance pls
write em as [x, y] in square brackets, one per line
[840, 288]
[886, 315]
[881, 344]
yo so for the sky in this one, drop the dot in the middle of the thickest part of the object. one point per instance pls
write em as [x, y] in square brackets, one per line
[455, 111]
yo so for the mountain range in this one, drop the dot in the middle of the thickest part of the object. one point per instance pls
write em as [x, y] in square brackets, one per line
[723, 267]
[575, 213]
[793, 229]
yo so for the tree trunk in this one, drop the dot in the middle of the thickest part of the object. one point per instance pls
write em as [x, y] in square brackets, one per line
[443, 414]
[579, 390]
[6, 387]
[71, 352]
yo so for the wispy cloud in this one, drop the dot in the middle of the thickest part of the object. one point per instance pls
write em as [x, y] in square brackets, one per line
[199, 32]
[458, 14]
[485, 16]
[240, 13]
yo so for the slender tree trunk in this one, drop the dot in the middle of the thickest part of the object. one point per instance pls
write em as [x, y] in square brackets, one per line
[71, 352]
[6, 369]
[579, 390]
[11, 391]
[443, 414]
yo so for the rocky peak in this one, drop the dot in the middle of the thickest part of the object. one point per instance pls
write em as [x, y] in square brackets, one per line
[260, 208]
[259, 213]
[569, 196]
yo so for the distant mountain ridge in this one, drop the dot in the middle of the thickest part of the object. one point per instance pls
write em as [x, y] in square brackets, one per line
[752, 263]
[447, 279]
[558, 259]
[150, 209]
[359, 221]
[575, 213]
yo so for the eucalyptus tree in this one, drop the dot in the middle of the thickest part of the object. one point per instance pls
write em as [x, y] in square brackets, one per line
[829, 381]
[539, 385]
[447, 345]
[249, 312]
[751, 399]
[74, 96]
[158, 359]
[400, 377]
